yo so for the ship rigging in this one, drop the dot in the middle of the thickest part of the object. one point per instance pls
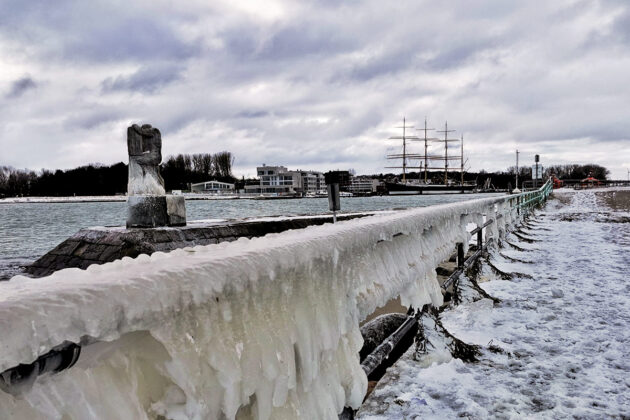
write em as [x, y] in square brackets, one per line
[408, 186]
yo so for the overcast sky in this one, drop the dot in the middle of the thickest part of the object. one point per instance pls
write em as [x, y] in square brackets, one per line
[315, 85]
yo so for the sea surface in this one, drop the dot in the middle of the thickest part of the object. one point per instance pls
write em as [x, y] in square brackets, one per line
[29, 230]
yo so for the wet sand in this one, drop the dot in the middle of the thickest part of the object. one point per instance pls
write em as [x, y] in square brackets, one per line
[617, 200]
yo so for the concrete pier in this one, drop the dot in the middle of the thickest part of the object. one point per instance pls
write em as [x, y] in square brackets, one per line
[105, 244]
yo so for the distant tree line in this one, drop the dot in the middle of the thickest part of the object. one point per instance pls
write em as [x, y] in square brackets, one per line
[578, 171]
[92, 179]
[97, 179]
[181, 170]
[572, 171]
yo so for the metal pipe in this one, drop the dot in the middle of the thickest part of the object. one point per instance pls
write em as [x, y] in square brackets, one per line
[479, 239]
[460, 254]
[22, 377]
[382, 352]
[478, 229]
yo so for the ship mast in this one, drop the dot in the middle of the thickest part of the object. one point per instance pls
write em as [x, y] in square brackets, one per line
[404, 155]
[446, 141]
[426, 157]
[426, 148]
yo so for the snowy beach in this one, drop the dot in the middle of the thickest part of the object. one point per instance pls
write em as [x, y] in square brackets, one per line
[556, 346]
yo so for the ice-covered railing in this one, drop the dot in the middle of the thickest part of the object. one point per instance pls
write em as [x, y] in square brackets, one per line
[261, 328]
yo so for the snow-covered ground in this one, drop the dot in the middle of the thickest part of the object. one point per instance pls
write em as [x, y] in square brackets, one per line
[560, 336]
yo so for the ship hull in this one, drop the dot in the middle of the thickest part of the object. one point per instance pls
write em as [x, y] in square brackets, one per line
[409, 189]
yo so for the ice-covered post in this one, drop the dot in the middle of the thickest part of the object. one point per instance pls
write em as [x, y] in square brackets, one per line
[480, 237]
[147, 202]
[460, 255]
[332, 185]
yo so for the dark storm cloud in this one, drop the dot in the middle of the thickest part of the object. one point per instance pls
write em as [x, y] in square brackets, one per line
[20, 86]
[147, 80]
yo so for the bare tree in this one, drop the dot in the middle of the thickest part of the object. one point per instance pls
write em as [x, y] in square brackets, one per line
[223, 164]
[207, 167]
[197, 161]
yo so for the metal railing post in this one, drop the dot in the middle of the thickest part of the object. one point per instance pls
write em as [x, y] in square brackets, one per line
[460, 255]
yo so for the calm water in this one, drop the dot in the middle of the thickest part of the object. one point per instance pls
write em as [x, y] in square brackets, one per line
[29, 230]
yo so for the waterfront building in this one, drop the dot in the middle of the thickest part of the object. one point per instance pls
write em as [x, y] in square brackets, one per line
[280, 180]
[360, 185]
[312, 182]
[212, 187]
[344, 179]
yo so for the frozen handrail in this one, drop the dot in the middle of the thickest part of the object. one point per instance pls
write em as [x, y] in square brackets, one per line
[266, 325]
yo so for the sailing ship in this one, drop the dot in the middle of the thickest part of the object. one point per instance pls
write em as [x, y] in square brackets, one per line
[419, 186]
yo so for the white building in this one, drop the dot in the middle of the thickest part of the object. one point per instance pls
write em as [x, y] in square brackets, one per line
[212, 187]
[312, 182]
[362, 185]
[280, 180]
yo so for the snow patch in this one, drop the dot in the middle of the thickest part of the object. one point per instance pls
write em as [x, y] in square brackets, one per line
[557, 344]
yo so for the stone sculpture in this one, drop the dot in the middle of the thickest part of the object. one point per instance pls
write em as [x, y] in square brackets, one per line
[145, 155]
[147, 202]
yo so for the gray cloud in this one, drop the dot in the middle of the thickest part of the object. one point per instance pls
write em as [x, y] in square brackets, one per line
[621, 26]
[298, 40]
[147, 80]
[92, 118]
[93, 31]
[20, 86]
[133, 38]
[316, 84]
[252, 114]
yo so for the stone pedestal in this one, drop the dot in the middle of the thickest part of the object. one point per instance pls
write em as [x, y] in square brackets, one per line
[102, 245]
[176, 210]
[155, 210]
[146, 211]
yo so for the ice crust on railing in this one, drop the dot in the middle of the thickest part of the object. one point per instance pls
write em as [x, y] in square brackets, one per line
[261, 328]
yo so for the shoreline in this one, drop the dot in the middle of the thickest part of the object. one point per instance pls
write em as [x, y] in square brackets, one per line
[105, 199]
[200, 197]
